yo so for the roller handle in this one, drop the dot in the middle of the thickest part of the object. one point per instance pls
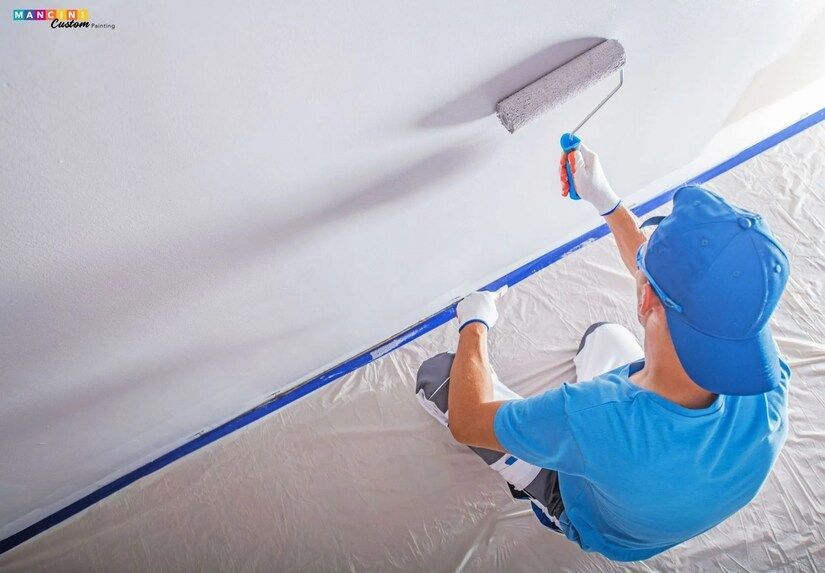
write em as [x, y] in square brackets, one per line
[570, 142]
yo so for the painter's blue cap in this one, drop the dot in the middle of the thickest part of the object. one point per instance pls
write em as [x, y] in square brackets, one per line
[719, 272]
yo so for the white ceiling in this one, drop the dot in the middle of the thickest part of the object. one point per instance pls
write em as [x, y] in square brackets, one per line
[207, 204]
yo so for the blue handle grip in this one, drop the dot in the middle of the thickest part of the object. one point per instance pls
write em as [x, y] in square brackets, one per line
[570, 142]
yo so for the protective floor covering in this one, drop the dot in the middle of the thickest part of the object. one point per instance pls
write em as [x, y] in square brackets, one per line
[357, 477]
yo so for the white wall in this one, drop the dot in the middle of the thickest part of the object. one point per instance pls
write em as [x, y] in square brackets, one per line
[208, 204]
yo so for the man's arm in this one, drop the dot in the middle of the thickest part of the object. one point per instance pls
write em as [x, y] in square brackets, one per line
[629, 237]
[472, 408]
[592, 186]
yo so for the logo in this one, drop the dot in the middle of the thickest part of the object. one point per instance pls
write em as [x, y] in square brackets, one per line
[59, 17]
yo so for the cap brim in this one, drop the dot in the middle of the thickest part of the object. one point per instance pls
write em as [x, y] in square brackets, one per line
[732, 367]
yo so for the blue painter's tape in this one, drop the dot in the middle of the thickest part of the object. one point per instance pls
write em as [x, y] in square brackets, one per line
[441, 317]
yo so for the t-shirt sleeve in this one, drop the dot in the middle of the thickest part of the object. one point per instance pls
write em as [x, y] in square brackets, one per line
[537, 430]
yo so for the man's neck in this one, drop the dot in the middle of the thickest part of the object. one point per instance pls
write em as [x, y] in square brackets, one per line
[663, 374]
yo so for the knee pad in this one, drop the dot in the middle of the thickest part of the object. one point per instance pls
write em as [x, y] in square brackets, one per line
[432, 385]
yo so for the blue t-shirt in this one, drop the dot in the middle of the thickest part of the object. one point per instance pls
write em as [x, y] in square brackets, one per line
[638, 473]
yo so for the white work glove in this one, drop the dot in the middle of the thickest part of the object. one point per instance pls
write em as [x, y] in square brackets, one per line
[589, 180]
[479, 307]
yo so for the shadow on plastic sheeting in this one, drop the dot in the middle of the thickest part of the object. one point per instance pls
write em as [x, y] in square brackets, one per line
[481, 100]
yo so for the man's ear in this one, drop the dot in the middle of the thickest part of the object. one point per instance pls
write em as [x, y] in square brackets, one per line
[650, 300]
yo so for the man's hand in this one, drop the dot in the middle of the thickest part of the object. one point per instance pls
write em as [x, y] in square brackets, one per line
[479, 307]
[589, 179]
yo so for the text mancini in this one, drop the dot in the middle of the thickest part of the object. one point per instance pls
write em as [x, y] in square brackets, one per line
[60, 17]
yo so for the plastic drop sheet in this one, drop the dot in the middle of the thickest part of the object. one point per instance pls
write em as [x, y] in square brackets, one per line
[356, 477]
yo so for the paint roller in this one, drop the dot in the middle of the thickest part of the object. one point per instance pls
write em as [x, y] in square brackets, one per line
[563, 83]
